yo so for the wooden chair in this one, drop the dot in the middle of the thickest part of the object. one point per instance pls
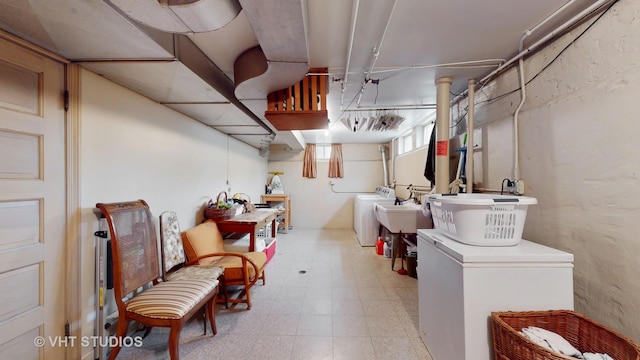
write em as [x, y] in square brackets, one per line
[174, 259]
[139, 294]
[204, 245]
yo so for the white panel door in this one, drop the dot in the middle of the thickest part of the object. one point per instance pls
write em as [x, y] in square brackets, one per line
[32, 205]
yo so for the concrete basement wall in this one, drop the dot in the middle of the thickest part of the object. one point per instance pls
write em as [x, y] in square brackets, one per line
[579, 157]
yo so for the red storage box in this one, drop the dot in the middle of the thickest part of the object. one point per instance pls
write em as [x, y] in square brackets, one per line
[270, 249]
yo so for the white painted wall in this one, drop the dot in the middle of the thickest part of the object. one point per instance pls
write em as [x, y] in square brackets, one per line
[409, 169]
[579, 158]
[314, 202]
[133, 148]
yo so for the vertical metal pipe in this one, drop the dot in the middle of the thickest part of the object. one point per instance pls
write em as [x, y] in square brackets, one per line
[470, 125]
[394, 155]
[383, 154]
[443, 86]
[597, 6]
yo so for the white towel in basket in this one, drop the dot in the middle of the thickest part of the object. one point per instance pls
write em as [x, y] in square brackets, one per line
[592, 356]
[550, 340]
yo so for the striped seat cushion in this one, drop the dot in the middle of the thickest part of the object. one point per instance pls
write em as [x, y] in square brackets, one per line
[206, 272]
[171, 300]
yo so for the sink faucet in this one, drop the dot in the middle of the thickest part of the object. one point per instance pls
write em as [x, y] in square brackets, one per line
[412, 194]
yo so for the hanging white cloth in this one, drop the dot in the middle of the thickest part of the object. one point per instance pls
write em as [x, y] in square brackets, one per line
[276, 185]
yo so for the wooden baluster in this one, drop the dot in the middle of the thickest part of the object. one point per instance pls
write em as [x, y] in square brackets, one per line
[296, 97]
[282, 101]
[271, 101]
[305, 92]
[323, 89]
[314, 91]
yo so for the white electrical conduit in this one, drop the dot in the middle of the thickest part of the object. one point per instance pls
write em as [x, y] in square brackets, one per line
[354, 21]
[559, 29]
[395, 107]
[555, 32]
[519, 57]
[527, 33]
[377, 52]
[516, 146]
[453, 65]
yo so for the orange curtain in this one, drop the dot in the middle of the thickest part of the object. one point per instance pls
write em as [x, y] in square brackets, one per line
[335, 161]
[309, 164]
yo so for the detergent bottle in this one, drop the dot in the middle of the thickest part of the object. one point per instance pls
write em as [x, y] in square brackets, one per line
[379, 246]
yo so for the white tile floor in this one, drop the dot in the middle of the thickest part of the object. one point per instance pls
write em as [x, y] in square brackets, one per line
[347, 304]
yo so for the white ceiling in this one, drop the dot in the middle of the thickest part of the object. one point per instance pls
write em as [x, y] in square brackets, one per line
[413, 41]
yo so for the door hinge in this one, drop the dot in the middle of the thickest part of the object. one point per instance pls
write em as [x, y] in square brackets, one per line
[66, 100]
[66, 329]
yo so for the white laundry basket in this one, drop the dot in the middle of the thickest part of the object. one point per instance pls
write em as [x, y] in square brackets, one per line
[481, 219]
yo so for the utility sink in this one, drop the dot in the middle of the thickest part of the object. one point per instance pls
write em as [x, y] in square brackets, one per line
[405, 218]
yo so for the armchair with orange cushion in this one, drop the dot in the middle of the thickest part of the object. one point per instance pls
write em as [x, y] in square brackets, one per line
[204, 245]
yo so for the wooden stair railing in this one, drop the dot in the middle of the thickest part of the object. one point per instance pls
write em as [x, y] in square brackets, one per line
[302, 106]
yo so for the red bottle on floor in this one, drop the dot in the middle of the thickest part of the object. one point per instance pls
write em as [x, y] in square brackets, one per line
[380, 246]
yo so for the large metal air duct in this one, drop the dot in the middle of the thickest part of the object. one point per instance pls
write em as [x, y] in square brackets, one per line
[180, 16]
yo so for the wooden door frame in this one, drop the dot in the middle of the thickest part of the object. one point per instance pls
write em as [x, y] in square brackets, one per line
[73, 244]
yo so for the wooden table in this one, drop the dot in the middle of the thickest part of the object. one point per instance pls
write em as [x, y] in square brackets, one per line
[286, 199]
[249, 223]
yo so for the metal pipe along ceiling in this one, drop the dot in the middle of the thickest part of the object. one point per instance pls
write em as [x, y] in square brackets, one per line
[523, 98]
[377, 52]
[574, 20]
[354, 21]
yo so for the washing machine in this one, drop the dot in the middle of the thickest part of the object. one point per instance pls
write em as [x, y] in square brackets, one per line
[365, 223]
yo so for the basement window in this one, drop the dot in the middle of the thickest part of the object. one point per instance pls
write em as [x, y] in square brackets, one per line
[405, 143]
[323, 152]
[426, 134]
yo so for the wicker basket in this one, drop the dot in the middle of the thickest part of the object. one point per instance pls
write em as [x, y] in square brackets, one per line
[581, 332]
[212, 212]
